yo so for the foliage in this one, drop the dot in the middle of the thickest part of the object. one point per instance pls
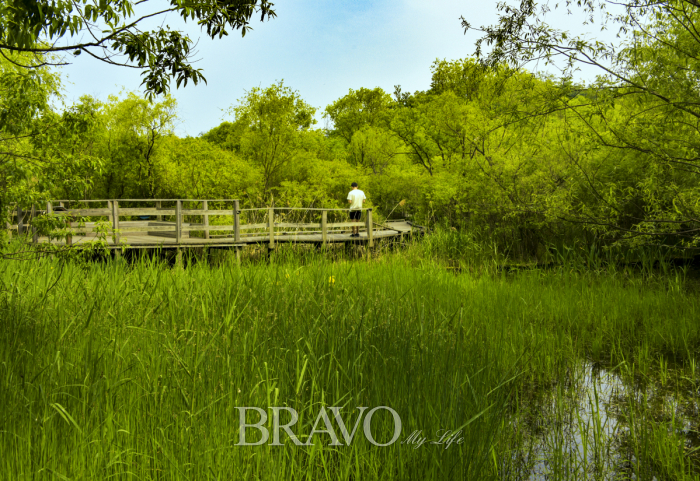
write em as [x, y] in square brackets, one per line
[374, 149]
[642, 114]
[359, 108]
[196, 169]
[269, 123]
[112, 32]
[146, 364]
[135, 132]
[25, 101]
[526, 160]
[69, 144]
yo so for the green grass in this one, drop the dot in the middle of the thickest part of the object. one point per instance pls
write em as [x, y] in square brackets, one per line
[133, 371]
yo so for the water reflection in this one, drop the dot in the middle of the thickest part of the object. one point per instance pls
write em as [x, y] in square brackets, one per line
[582, 429]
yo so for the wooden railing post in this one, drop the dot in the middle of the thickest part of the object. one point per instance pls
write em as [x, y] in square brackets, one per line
[115, 221]
[110, 217]
[324, 227]
[370, 240]
[178, 221]
[205, 208]
[49, 208]
[7, 224]
[236, 222]
[69, 236]
[69, 223]
[178, 232]
[20, 221]
[159, 205]
[271, 225]
[69, 239]
[35, 232]
[49, 211]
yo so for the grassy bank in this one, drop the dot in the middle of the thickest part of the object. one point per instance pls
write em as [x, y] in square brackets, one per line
[133, 371]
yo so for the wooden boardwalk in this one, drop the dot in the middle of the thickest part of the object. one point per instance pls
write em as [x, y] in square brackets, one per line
[191, 223]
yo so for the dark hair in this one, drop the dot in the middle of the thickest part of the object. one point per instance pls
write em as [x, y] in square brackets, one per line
[354, 184]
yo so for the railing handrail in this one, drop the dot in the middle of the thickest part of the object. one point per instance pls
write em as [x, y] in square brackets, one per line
[114, 211]
[320, 209]
[208, 200]
[144, 200]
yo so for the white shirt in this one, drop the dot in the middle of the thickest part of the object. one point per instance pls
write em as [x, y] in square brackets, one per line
[356, 196]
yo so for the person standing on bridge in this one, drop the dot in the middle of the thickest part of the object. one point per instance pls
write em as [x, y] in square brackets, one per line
[355, 199]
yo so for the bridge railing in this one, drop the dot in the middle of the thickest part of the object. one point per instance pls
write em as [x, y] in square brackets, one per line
[217, 220]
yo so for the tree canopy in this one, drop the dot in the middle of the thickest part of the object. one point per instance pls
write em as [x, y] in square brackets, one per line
[520, 159]
[643, 106]
[111, 31]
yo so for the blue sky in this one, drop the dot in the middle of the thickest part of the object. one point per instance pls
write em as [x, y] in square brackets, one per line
[321, 48]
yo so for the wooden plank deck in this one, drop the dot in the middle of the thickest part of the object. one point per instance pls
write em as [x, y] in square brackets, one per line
[146, 226]
[168, 240]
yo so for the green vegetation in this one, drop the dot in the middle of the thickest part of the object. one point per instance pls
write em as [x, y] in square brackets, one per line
[134, 370]
[550, 318]
[525, 160]
[114, 32]
[518, 158]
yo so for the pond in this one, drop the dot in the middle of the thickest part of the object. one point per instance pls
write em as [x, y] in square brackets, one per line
[594, 426]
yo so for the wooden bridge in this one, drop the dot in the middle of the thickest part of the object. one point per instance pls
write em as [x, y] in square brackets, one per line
[175, 223]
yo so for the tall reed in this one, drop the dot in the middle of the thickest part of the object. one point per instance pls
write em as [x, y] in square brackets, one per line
[134, 370]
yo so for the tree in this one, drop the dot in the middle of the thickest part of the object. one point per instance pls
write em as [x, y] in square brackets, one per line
[135, 130]
[462, 77]
[357, 109]
[196, 169]
[110, 31]
[466, 118]
[651, 76]
[43, 153]
[25, 97]
[69, 148]
[374, 148]
[269, 123]
[225, 135]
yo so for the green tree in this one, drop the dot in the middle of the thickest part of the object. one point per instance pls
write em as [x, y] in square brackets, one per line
[196, 169]
[462, 77]
[69, 145]
[375, 148]
[358, 109]
[110, 31]
[269, 123]
[226, 135]
[25, 101]
[135, 130]
[643, 110]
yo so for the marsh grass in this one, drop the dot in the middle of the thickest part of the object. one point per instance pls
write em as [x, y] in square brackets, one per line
[133, 370]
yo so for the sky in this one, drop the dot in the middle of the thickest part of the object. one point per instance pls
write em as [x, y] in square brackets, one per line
[320, 48]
